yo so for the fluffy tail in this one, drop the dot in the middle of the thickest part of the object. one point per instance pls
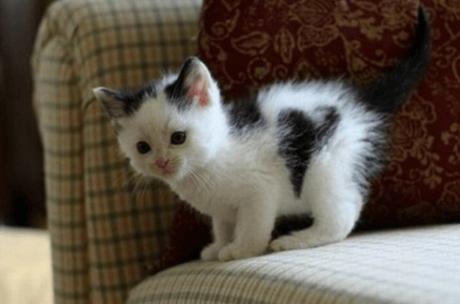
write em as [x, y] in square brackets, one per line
[388, 93]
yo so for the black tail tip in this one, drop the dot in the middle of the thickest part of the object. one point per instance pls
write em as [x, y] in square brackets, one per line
[422, 33]
[389, 92]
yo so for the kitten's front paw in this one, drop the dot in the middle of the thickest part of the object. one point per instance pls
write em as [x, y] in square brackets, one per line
[211, 252]
[235, 251]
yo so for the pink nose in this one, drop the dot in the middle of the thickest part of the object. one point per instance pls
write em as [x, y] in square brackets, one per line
[162, 162]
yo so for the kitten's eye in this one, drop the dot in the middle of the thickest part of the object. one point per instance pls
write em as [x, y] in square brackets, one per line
[143, 147]
[178, 138]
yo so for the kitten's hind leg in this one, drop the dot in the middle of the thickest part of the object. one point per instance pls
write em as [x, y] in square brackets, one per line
[335, 201]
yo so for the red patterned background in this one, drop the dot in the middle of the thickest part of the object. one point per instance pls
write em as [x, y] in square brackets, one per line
[247, 44]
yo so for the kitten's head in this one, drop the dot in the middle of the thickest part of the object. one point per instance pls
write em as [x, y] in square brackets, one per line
[170, 127]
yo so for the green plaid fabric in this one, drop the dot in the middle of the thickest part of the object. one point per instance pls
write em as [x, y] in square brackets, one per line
[105, 229]
[401, 266]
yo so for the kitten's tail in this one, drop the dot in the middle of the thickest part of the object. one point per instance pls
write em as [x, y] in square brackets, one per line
[389, 92]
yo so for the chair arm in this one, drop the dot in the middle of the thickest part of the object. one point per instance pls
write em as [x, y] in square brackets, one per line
[104, 228]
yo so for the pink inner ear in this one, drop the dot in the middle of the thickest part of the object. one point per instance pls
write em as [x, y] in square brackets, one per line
[198, 90]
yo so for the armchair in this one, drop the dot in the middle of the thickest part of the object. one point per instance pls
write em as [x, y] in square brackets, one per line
[106, 230]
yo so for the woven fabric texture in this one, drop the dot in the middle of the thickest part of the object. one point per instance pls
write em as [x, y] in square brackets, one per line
[105, 227]
[400, 266]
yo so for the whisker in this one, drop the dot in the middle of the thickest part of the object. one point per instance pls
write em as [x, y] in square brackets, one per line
[200, 180]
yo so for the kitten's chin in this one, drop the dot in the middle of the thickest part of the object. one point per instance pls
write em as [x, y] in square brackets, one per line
[168, 177]
[174, 177]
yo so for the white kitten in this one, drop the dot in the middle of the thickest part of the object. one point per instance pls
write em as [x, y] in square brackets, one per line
[297, 148]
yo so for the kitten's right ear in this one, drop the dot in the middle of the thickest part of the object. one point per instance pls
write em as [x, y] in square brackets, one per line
[195, 81]
[114, 106]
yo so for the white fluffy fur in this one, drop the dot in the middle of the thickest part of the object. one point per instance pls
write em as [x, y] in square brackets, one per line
[241, 181]
[241, 178]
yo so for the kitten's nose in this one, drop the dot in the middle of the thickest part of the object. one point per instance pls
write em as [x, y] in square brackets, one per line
[162, 162]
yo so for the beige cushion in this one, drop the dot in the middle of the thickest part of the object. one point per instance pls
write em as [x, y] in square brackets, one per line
[402, 266]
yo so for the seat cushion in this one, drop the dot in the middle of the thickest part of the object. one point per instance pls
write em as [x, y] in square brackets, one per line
[400, 266]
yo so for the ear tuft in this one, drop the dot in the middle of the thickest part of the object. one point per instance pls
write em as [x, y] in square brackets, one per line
[196, 81]
[198, 91]
[112, 104]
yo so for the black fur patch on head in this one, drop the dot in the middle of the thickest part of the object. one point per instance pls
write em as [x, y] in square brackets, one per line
[130, 100]
[177, 95]
[300, 136]
[136, 99]
[244, 115]
[176, 92]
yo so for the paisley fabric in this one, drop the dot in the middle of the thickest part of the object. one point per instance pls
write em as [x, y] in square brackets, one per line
[251, 43]
[421, 184]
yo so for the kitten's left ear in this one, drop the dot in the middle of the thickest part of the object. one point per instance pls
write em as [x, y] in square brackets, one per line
[110, 99]
[195, 81]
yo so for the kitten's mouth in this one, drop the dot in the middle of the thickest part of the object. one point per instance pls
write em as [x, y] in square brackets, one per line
[171, 171]
[164, 170]
[167, 172]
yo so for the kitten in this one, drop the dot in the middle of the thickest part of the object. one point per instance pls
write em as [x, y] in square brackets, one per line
[296, 148]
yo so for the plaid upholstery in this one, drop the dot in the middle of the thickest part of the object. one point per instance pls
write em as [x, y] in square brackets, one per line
[400, 266]
[104, 228]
